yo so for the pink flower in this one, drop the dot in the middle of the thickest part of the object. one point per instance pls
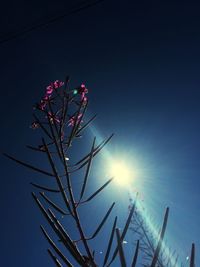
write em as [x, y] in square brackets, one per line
[49, 90]
[82, 90]
[58, 84]
[72, 120]
[45, 98]
[54, 85]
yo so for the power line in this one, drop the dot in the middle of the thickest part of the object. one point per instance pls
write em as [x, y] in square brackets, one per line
[84, 5]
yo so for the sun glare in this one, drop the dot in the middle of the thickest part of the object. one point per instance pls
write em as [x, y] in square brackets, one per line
[121, 172]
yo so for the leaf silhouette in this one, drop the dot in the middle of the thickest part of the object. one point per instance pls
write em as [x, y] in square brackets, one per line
[86, 125]
[53, 204]
[88, 169]
[96, 150]
[192, 257]
[56, 261]
[68, 242]
[45, 188]
[103, 221]
[110, 242]
[158, 248]
[120, 249]
[59, 182]
[28, 165]
[42, 126]
[99, 190]
[135, 255]
[124, 230]
[58, 229]
[55, 247]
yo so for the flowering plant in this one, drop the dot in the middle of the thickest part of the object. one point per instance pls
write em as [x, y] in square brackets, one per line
[60, 115]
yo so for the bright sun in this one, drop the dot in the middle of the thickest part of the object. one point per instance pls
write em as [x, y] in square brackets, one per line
[121, 173]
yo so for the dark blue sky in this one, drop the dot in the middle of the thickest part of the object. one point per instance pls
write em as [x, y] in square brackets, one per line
[141, 63]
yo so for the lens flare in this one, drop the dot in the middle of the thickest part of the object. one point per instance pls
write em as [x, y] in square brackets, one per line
[126, 174]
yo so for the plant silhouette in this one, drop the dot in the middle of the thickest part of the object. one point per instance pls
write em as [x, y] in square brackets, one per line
[60, 115]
